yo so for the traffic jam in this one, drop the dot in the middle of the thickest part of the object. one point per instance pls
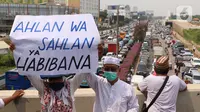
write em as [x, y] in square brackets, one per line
[109, 42]
[159, 41]
[137, 58]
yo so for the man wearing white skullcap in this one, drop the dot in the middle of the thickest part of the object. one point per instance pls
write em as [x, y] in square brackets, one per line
[112, 94]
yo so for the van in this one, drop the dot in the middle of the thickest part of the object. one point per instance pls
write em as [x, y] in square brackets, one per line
[142, 69]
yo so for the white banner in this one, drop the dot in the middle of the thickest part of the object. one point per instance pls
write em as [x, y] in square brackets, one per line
[54, 45]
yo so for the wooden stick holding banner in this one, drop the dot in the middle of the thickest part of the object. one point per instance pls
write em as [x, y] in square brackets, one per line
[54, 45]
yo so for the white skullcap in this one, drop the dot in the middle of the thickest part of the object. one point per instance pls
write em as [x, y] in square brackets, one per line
[111, 60]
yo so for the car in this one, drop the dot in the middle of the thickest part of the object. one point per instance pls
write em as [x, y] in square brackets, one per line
[114, 40]
[100, 64]
[84, 84]
[195, 62]
[185, 50]
[145, 46]
[121, 57]
[193, 76]
[144, 52]
[144, 58]
[186, 67]
[187, 56]
[142, 69]
[168, 37]
[124, 50]
[176, 51]
[143, 61]
[177, 45]
[99, 70]
[110, 54]
[102, 59]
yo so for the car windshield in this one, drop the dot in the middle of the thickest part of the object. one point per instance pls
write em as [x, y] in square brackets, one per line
[187, 50]
[141, 67]
[187, 55]
[120, 56]
[197, 77]
[197, 61]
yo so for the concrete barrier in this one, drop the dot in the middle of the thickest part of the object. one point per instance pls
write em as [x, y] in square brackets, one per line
[84, 98]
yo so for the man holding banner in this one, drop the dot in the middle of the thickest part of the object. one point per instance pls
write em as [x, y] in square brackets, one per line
[56, 92]
[63, 45]
[112, 94]
[50, 47]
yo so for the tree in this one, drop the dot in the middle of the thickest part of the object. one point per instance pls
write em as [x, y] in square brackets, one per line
[139, 32]
[103, 15]
[198, 38]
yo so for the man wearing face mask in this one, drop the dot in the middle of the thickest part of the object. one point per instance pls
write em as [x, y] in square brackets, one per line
[56, 92]
[112, 94]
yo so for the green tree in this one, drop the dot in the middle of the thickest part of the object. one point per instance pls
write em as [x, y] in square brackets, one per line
[103, 15]
[198, 38]
[7, 60]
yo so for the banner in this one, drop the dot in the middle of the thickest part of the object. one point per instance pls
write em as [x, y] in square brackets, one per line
[54, 45]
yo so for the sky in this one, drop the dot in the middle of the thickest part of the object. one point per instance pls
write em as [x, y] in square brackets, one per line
[160, 7]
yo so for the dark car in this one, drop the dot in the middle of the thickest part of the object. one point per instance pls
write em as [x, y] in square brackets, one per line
[177, 51]
[142, 70]
[177, 45]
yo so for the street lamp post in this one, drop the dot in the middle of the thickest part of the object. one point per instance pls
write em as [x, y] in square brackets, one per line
[117, 50]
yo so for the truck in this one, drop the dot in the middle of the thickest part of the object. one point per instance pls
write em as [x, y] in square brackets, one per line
[122, 34]
[112, 47]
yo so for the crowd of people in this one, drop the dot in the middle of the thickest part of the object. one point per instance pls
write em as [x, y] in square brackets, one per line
[112, 94]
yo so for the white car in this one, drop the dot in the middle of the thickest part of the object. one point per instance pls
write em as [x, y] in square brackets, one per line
[110, 54]
[120, 56]
[125, 48]
[110, 38]
[102, 59]
[100, 64]
[195, 62]
[187, 56]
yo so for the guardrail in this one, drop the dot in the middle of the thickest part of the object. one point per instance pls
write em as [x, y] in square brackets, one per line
[84, 98]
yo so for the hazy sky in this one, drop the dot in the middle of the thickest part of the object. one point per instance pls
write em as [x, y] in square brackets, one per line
[160, 7]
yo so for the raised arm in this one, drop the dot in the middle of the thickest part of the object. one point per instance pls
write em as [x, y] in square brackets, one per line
[78, 78]
[76, 81]
[37, 82]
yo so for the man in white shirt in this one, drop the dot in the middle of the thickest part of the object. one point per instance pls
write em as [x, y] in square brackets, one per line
[166, 102]
[112, 94]
[16, 94]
